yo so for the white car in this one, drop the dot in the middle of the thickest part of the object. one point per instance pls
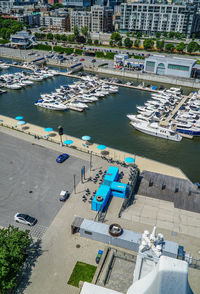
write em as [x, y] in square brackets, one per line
[25, 219]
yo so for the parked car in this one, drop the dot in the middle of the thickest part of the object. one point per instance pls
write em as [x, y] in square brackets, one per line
[25, 219]
[62, 157]
[64, 195]
[98, 257]
[82, 59]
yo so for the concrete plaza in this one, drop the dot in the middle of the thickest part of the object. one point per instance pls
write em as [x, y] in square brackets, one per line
[59, 247]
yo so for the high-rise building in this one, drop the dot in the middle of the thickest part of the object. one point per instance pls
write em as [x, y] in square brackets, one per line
[102, 19]
[80, 19]
[150, 18]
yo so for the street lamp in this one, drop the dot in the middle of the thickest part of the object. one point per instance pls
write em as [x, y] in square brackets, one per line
[60, 131]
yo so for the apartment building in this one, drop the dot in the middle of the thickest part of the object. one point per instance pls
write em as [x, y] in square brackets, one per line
[102, 19]
[54, 22]
[80, 19]
[150, 18]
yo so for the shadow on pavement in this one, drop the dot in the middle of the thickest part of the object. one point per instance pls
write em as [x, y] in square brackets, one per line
[23, 279]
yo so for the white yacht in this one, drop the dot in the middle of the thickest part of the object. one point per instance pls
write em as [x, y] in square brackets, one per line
[154, 129]
[4, 66]
[13, 86]
[78, 104]
[51, 105]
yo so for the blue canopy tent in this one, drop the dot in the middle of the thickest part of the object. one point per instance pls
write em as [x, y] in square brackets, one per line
[101, 147]
[129, 160]
[48, 129]
[86, 138]
[19, 117]
[21, 122]
[68, 142]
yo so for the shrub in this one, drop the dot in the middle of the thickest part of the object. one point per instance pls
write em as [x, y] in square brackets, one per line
[110, 55]
[99, 54]
[43, 47]
[78, 51]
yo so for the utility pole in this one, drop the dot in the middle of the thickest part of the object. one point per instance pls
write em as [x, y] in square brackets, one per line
[75, 184]
[90, 161]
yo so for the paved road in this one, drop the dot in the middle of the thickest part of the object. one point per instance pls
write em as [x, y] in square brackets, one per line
[31, 181]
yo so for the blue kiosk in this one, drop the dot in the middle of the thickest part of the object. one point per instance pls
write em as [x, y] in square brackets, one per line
[110, 187]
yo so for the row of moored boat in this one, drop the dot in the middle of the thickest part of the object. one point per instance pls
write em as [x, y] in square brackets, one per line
[152, 116]
[77, 95]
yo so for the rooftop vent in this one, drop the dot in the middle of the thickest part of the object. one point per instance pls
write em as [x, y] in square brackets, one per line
[115, 230]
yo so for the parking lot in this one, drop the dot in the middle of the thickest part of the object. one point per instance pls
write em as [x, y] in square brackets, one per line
[31, 181]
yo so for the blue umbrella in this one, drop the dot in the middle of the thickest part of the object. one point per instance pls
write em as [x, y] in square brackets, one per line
[21, 122]
[129, 160]
[86, 138]
[101, 147]
[68, 142]
[19, 117]
[48, 129]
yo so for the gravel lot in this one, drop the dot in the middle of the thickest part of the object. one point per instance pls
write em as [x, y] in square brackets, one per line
[31, 181]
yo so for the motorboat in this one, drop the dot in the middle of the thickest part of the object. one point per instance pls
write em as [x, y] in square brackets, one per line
[51, 105]
[77, 104]
[13, 86]
[154, 129]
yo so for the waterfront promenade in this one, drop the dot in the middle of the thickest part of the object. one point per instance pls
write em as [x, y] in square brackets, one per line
[91, 148]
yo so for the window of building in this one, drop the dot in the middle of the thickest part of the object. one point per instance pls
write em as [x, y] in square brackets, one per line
[88, 233]
[178, 67]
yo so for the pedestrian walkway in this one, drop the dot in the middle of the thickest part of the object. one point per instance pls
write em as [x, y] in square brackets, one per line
[89, 149]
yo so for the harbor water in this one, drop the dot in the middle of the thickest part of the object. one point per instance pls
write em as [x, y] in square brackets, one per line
[105, 122]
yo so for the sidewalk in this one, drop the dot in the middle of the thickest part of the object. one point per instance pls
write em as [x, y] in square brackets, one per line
[82, 147]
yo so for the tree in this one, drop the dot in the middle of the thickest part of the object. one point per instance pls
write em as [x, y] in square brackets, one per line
[171, 35]
[158, 35]
[76, 31]
[192, 47]
[80, 39]
[165, 34]
[96, 42]
[119, 43]
[84, 31]
[137, 43]
[49, 36]
[193, 36]
[160, 44]
[13, 245]
[116, 37]
[177, 35]
[128, 43]
[111, 42]
[139, 35]
[89, 41]
[148, 44]
[180, 47]
[169, 47]
[128, 34]
[57, 5]
[71, 38]
[133, 34]
[63, 37]
[57, 37]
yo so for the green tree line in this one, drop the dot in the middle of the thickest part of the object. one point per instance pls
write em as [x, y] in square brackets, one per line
[8, 27]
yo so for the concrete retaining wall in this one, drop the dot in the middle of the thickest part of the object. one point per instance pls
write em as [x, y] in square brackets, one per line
[191, 83]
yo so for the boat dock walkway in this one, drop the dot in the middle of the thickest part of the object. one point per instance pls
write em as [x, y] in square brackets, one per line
[71, 75]
[166, 121]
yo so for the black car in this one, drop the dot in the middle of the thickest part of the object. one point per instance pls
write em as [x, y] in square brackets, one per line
[64, 195]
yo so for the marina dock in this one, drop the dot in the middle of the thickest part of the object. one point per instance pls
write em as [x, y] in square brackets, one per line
[166, 121]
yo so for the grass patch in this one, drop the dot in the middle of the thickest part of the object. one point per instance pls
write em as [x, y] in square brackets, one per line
[82, 272]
